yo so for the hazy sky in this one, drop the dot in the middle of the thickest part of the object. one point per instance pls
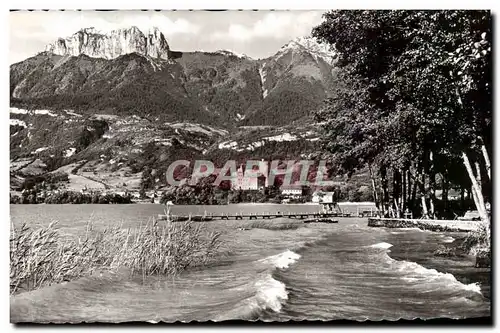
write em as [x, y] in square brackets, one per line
[255, 33]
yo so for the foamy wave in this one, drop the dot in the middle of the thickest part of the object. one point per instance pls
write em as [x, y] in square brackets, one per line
[416, 229]
[282, 260]
[475, 287]
[271, 294]
[426, 274]
[448, 239]
[382, 245]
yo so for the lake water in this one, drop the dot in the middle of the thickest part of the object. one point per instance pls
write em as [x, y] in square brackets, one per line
[316, 272]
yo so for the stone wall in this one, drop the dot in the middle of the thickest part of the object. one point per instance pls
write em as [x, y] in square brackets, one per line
[432, 225]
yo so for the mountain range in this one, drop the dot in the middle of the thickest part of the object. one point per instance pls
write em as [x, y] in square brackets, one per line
[92, 90]
[128, 72]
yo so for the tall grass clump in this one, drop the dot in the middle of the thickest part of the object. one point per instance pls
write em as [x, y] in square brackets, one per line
[41, 257]
[478, 242]
[268, 225]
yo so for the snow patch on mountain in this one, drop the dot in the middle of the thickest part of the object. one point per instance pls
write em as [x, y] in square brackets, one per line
[193, 127]
[45, 112]
[262, 75]
[14, 122]
[310, 44]
[18, 111]
[70, 152]
[232, 53]
[282, 137]
[228, 145]
[15, 110]
[39, 150]
[72, 113]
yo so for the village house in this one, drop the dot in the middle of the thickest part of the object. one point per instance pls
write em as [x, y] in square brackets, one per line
[323, 197]
[294, 191]
[245, 182]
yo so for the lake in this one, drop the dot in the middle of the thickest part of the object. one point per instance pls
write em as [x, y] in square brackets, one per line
[316, 272]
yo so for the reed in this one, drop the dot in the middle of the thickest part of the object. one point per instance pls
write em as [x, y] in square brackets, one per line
[478, 242]
[41, 257]
[268, 225]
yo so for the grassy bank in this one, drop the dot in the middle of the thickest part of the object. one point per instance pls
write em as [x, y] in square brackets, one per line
[270, 225]
[478, 242]
[41, 257]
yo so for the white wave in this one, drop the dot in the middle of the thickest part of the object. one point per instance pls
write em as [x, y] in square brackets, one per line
[282, 260]
[475, 287]
[414, 272]
[382, 245]
[414, 229]
[448, 239]
[271, 294]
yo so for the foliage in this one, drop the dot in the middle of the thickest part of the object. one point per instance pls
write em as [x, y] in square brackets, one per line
[478, 242]
[414, 93]
[35, 196]
[84, 198]
[202, 193]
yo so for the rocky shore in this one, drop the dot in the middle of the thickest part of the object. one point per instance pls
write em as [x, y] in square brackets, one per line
[475, 243]
[431, 225]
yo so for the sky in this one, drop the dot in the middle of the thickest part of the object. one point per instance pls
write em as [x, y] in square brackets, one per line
[257, 34]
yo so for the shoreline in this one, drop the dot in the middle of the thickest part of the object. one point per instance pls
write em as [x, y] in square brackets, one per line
[431, 225]
[452, 264]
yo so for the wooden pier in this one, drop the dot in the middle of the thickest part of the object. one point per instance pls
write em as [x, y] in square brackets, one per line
[252, 216]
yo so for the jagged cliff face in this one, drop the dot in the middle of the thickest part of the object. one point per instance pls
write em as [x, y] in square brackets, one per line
[119, 42]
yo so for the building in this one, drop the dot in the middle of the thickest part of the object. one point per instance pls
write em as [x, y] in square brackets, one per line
[246, 182]
[323, 197]
[452, 194]
[292, 191]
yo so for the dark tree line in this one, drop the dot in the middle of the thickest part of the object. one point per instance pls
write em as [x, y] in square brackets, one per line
[413, 104]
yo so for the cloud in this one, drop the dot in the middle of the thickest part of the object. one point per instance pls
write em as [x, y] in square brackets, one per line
[168, 26]
[256, 33]
[275, 25]
[43, 25]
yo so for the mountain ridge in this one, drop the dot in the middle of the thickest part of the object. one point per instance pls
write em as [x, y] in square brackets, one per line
[139, 111]
[96, 44]
[134, 77]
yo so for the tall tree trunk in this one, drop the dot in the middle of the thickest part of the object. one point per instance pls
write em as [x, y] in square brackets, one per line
[476, 200]
[427, 190]
[425, 212]
[374, 188]
[410, 199]
[396, 191]
[462, 197]
[414, 197]
[476, 188]
[444, 195]
[385, 190]
[432, 185]
[396, 209]
[486, 161]
[403, 194]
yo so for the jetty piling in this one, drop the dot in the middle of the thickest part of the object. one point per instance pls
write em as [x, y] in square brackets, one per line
[251, 216]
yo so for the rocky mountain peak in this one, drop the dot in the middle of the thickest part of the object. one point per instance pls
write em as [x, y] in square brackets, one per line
[311, 45]
[232, 53]
[96, 44]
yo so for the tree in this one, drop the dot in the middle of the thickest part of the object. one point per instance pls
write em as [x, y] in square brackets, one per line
[414, 99]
